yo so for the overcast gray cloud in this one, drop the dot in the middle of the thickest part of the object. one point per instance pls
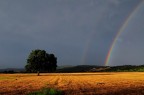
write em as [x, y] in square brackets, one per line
[76, 31]
[129, 48]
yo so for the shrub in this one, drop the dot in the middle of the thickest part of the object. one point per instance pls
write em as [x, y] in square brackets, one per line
[47, 91]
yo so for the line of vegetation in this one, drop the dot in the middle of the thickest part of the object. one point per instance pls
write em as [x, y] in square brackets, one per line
[93, 68]
[86, 68]
[47, 91]
[126, 68]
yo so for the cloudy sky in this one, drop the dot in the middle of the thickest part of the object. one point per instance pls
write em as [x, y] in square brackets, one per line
[78, 32]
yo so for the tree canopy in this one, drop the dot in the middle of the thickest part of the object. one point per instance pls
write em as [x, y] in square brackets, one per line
[40, 60]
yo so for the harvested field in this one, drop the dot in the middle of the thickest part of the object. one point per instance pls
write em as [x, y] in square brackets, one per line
[111, 83]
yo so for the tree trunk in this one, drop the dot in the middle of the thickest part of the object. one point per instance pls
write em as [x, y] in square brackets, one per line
[38, 73]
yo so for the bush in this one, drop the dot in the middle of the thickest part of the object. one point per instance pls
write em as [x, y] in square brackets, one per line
[47, 91]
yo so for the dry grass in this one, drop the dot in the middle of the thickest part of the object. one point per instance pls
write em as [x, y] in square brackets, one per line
[128, 83]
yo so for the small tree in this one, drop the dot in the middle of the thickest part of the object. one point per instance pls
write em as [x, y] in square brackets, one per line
[39, 60]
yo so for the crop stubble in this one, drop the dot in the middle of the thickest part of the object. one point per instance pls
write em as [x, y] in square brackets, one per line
[126, 83]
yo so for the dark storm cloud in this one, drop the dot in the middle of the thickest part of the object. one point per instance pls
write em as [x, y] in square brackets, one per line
[129, 49]
[62, 27]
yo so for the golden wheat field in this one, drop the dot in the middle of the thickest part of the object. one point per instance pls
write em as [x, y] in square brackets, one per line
[126, 83]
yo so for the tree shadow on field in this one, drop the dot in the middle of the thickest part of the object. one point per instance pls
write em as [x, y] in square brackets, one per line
[130, 91]
[15, 92]
[105, 91]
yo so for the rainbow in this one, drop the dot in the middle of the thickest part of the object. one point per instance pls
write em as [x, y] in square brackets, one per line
[124, 25]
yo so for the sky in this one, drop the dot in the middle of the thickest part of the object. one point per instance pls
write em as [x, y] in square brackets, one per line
[78, 32]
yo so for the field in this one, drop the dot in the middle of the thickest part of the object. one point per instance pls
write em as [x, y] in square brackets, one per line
[110, 83]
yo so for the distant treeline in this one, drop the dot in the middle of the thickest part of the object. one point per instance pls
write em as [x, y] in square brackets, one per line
[93, 68]
[127, 68]
[12, 70]
[86, 68]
